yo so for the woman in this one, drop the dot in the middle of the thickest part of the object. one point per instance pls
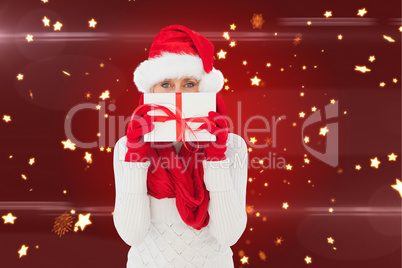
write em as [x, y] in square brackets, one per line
[177, 206]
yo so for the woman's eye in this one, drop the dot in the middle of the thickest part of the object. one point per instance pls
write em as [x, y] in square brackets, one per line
[165, 85]
[191, 84]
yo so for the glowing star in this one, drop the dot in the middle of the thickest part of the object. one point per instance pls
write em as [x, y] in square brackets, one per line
[88, 95]
[340, 37]
[104, 95]
[388, 38]
[226, 35]
[398, 187]
[328, 14]
[362, 69]
[232, 26]
[45, 1]
[285, 205]
[302, 114]
[244, 62]
[309, 22]
[392, 157]
[226, 87]
[108, 149]
[57, 26]
[306, 160]
[6, 118]
[253, 140]
[308, 259]
[268, 64]
[98, 107]
[232, 44]
[92, 23]
[358, 167]
[332, 200]
[288, 167]
[301, 94]
[255, 81]
[306, 139]
[68, 144]
[400, 28]
[374, 162]
[361, 12]
[9, 218]
[23, 251]
[221, 54]
[244, 260]
[31, 161]
[83, 221]
[278, 241]
[395, 80]
[88, 157]
[20, 76]
[382, 84]
[324, 131]
[257, 21]
[250, 149]
[24, 177]
[313, 109]
[46, 21]
[372, 58]
[29, 38]
[101, 65]
[330, 240]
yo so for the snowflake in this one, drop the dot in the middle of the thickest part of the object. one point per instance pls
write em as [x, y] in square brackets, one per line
[257, 21]
[297, 39]
[63, 224]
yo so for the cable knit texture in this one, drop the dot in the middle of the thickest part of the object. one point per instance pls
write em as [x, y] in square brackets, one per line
[153, 227]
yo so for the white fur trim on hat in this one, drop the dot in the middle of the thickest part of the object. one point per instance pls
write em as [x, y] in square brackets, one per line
[175, 66]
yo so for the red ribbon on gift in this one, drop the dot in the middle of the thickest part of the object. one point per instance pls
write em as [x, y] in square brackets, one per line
[181, 123]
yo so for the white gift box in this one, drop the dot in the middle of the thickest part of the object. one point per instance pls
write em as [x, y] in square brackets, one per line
[191, 105]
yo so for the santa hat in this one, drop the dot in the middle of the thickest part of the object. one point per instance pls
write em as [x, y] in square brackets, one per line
[179, 52]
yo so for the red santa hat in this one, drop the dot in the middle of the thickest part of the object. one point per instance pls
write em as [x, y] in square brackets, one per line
[178, 52]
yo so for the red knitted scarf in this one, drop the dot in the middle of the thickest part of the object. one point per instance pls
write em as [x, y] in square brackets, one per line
[181, 176]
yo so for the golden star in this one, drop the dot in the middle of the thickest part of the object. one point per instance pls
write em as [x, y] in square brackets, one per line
[361, 12]
[358, 167]
[330, 240]
[374, 162]
[68, 144]
[398, 187]
[372, 58]
[382, 84]
[306, 139]
[340, 37]
[6, 118]
[302, 114]
[83, 221]
[253, 140]
[388, 38]
[31, 161]
[362, 69]
[57, 26]
[392, 157]
[98, 107]
[88, 157]
[250, 149]
[108, 149]
[46, 21]
[306, 160]
[105, 95]
[92, 23]
[88, 95]
[328, 14]
[232, 26]
[313, 109]
[278, 241]
[23, 251]
[222, 54]
[226, 87]
[268, 64]
[309, 22]
[255, 81]
[308, 259]
[45, 1]
[226, 35]
[332, 101]
[400, 28]
[395, 80]
[288, 167]
[9, 218]
[232, 44]
[285, 205]
[29, 38]
[244, 260]
[324, 131]
[20, 76]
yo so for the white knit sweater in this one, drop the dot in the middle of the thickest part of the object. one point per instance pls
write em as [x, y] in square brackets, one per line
[153, 227]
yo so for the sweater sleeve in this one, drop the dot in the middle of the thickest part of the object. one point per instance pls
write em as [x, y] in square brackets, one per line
[131, 214]
[226, 182]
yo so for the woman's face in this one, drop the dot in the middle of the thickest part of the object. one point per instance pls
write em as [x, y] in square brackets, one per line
[185, 84]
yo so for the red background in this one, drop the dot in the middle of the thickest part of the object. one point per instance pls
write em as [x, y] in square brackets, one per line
[370, 128]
